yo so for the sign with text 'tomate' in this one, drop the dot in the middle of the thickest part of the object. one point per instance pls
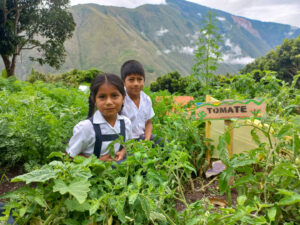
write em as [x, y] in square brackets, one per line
[229, 109]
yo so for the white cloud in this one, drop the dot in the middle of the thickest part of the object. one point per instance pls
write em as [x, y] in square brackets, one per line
[120, 3]
[227, 58]
[196, 35]
[161, 32]
[287, 11]
[234, 54]
[167, 51]
[220, 18]
[280, 11]
[236, 50]
[187, 50]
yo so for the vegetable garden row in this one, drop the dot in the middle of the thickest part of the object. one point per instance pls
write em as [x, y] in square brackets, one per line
[36, 121]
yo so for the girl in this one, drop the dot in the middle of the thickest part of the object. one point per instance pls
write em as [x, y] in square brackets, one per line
[93, 135]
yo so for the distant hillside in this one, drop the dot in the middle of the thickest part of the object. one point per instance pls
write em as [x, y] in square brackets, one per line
[162, 37]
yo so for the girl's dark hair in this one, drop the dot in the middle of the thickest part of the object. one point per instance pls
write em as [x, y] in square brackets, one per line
[132, 67]
[99, 80]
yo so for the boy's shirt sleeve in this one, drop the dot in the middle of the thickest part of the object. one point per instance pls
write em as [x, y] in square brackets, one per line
[128, 129]
[81, 139]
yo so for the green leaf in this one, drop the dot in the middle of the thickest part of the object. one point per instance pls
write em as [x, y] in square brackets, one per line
[132, 198]
[41, 175]
[145, 206]
[227, 137]
[77, 188]
[74, 205]
[284, 131]
[119, 183]
[223, 152]
[289, 200]
[22, 211]
[157, 216]
[272, 214]
[78, 171]
[119, 209]
[56, 154]
[71, 222]
[241, 199]
[283, 169]
[255, 137]
[224, 178]
[95, 204]
[4, 73]
[138, 180]
[189, 168]
[285, 192]
[40, 200]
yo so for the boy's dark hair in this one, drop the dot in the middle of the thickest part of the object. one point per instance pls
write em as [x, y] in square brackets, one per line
[132, 67]
[99, 80]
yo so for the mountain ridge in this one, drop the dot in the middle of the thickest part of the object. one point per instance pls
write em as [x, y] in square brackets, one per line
[162, 37]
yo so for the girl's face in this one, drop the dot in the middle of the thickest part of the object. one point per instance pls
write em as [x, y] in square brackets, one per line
[109, 101]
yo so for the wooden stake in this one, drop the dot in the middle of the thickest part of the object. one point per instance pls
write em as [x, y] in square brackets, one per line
[228, 124]
[207, 132]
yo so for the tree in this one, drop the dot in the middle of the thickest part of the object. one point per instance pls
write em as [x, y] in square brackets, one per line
[173, 82]
[284, 59]
[208, 54]
[43, 25]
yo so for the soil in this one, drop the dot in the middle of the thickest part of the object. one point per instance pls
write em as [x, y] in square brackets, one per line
[209, 191]
[5, 178]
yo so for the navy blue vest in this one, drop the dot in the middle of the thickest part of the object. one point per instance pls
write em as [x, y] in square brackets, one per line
[105, 137]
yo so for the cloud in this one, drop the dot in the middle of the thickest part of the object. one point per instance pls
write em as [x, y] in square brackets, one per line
[287, 11]
[120, 3]
[236, 50]
[227, 58]
[187, 50]
[161, 32]
[220, 18]
[234, 55]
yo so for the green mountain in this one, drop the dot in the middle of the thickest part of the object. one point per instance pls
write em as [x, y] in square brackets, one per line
[162, 37]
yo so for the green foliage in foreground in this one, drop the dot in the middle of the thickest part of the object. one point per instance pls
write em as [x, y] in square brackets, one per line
[147, 186]
[36, 119]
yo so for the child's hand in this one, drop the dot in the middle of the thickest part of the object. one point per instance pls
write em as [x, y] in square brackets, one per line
[120, 155]
[106, 158]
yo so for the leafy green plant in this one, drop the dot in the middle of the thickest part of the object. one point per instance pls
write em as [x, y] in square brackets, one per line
[72, 78]
[208, 52]
[36, 119]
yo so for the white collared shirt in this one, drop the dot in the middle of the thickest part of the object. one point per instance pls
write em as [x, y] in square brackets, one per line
[138, 115]
[83, 139]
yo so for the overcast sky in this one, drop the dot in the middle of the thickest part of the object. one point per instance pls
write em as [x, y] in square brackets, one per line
[281, 11]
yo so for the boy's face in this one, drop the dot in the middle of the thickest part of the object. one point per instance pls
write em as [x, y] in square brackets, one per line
[134, 84]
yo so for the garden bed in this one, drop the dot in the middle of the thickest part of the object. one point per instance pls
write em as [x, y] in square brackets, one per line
[6, 176]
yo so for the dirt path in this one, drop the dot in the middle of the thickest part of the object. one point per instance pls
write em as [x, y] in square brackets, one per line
[5, 178]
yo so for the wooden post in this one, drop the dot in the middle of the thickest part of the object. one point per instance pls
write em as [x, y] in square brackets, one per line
[207, 131]
[228, 124]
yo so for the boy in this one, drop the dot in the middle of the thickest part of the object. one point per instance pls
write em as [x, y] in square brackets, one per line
[137, 105]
